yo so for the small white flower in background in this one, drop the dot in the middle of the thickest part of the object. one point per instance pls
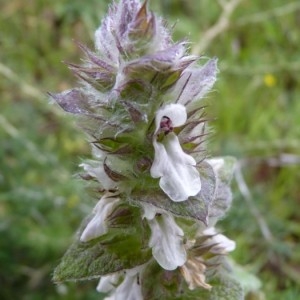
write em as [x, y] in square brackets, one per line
[179, 178]
[130, 287]
[166, 241]
[97, 225]
[222, 244]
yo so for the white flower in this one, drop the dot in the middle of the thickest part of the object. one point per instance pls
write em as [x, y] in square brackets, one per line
[129, 288]
[166, 242]
[95, 169]
[179, 178]
[97, 225]
[150, 211]
[108, 283]
[222, 243]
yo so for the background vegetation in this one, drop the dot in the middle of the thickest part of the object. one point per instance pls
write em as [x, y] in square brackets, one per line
[255, 102]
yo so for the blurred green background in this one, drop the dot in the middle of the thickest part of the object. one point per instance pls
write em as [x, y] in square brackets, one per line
[255, 102]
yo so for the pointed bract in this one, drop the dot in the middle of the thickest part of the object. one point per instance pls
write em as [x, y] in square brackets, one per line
[195, 83]
[73, 101]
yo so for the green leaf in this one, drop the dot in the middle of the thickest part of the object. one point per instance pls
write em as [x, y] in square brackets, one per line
[166, 283]
[195, 207]
[170, 79]
[223, 168]
[225, 173]
[137, 91]
[170, 285]
[225, 288]
[248, 281]
[222, 278]
[123, 247]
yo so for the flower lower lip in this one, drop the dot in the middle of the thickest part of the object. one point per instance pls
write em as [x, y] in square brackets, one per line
[179, 178]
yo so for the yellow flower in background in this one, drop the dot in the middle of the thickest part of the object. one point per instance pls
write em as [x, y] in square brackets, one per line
[73, 201]
[270, 80]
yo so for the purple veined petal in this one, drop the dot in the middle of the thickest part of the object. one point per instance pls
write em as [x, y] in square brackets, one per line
[179, 178]
[166, 242]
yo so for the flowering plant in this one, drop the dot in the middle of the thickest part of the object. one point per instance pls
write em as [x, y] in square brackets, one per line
[152, 232]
